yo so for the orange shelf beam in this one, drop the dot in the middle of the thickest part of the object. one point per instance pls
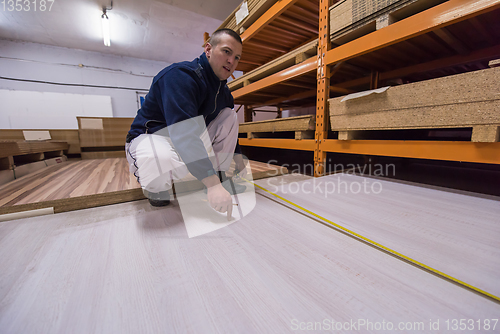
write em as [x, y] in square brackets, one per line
[307, 66]
[437, 17]
[435, 150]
[289, 144]
[272, 13]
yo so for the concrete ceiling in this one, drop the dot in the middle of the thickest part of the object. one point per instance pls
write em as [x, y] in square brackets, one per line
[164, 30]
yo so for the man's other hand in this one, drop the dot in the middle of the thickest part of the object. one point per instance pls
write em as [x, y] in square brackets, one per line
[218, 197]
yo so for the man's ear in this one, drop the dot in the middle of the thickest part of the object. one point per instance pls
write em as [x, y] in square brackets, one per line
[208, 49]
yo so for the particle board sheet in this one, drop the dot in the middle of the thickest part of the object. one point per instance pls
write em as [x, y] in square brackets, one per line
[455, 233]
[463, 100]
[75, 185]
[298, 123]
[131, 268]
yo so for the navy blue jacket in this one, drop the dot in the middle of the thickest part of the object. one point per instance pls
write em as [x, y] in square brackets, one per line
[179, 92]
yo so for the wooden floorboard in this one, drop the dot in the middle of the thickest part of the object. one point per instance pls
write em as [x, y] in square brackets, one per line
[130, 268]
[74, 185]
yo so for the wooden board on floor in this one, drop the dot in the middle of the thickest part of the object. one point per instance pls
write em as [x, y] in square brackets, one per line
[131, 267]
[83, 184]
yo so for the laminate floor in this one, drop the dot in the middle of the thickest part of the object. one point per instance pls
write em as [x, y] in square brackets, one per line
[455, 232]
[131, 268]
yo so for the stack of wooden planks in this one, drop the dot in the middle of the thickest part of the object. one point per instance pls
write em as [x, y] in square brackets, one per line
[467, 100]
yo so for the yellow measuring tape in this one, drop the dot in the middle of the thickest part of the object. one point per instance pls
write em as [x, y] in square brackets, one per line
[435, 271]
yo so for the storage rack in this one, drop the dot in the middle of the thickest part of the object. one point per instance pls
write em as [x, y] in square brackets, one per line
[468, 36]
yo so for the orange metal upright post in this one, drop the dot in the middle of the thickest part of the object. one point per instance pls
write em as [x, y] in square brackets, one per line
[323, 89]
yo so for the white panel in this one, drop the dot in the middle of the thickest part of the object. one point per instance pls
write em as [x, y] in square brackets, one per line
[49, 110]
[91, 123]
[36, 135]
[241, 13]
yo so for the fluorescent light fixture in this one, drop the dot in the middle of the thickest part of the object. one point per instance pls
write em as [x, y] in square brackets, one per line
[105, 29]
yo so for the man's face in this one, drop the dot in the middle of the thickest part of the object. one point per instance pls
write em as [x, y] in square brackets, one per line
[224, 57]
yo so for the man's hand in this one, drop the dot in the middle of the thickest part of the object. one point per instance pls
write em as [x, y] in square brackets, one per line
[218, 197]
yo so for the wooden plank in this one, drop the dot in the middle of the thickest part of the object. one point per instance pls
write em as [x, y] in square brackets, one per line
[87, 183]
[494, 63]
[266, 18]
[299, 123]
[351, 17]
[113, 132]
[462, 100]
[445, 14]
[18, 148]
[485, 133]
[69, 136]
[255, 9]
[384, 21]
[299, 135]
[275, 65]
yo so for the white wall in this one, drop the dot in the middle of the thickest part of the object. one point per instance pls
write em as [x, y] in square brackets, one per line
[32, 61]
[21, 109]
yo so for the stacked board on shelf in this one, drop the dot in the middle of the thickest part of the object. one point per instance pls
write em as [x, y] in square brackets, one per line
[388, 44]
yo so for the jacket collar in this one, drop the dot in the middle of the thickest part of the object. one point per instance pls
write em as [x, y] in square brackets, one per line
[213, 79]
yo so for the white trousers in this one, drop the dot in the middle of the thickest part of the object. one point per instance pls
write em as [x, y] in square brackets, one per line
[156, 164]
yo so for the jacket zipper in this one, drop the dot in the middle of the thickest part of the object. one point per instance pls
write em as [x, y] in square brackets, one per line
[215, 108]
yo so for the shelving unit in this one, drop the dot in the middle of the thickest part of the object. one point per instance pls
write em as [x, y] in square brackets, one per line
[452, 37]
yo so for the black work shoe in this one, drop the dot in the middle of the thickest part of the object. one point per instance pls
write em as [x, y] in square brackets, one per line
[158, 199]
[229, 185]
[159, 202]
